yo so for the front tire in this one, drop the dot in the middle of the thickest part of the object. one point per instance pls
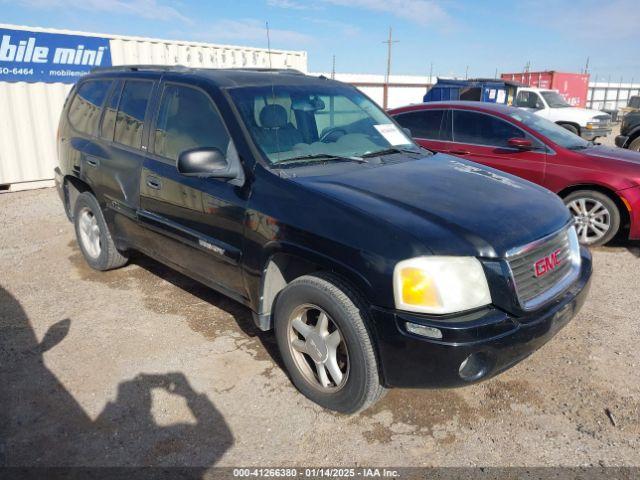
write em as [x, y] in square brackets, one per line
[597, 217]
[93, 235]
[571, 128]
[635, 145]
[325, 345]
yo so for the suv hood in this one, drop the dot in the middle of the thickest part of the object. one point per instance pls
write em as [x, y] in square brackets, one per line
[452, 206]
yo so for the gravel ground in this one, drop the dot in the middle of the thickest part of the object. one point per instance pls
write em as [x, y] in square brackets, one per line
[142, 366]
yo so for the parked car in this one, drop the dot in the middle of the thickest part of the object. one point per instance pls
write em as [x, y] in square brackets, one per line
[589, 124]
[600, 185]
[377, 263]
[630, 131]
[549, 104]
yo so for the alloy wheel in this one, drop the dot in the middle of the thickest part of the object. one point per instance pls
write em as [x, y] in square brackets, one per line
[593, 219]
[318, 348]
[89, 233]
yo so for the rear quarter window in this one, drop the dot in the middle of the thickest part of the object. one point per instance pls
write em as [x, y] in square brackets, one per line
[131, 112]
[86, 106]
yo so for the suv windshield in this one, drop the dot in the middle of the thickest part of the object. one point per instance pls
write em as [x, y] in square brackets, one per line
[554, 132]
[314, 122]
[554, 100]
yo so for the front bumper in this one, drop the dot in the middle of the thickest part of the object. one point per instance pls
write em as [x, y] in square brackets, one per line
[593, 133]
[621, 141]
[491, 339]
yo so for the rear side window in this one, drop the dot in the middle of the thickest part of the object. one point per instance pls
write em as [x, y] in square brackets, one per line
[187, 119]
[529, 100]
[86, 107]
[480, 129]
[425, 124]
[110, 111]
[131, 111]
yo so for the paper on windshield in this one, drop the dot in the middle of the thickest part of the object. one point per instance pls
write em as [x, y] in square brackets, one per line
[392, 134]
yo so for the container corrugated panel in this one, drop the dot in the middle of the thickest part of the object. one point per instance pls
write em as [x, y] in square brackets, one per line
[29, 112]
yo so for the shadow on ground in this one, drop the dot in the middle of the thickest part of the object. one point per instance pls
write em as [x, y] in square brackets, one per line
[42, 424]
[240, 313]
[632, 246]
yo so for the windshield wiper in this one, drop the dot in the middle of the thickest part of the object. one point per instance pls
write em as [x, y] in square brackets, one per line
[321, 157]
[389, 151]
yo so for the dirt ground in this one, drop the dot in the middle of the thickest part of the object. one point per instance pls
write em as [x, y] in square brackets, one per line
[143, 366]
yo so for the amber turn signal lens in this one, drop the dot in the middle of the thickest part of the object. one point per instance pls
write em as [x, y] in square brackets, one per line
[418, 288]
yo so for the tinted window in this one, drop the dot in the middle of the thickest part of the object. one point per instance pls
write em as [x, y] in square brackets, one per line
[131, 110]
[529, 100]
[110, 110]
[84, 112]
[187, 119]
[480, 129]
[424, 123]
[634, 102]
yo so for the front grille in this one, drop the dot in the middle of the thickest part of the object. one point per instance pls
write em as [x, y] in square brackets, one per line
[530, 287]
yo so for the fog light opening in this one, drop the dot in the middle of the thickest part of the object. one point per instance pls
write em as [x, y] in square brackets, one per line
[424, 331]
[474, 367]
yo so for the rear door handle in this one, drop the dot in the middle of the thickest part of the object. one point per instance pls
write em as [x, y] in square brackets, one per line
[92, 162]
[459, 152]
[153, 182]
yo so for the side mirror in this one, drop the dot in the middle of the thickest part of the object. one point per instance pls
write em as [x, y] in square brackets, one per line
[520, 143]
[407, 131]
[204, 162]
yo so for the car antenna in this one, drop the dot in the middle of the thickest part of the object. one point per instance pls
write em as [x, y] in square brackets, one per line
[273, 90]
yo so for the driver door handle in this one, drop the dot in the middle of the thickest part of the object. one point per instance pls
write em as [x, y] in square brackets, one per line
[459, 152]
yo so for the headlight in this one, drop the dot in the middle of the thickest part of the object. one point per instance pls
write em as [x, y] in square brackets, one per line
[440, 284]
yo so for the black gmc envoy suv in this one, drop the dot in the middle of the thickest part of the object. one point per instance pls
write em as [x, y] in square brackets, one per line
[378, 263]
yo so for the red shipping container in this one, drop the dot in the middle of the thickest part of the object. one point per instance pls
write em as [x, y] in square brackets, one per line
[572, 86]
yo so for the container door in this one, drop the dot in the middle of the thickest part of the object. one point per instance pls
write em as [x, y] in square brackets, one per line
[484, 139]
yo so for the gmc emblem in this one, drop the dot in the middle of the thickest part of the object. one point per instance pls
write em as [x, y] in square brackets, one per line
[546, 264]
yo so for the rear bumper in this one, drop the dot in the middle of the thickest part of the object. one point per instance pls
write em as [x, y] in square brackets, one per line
[621, 141]
[492, 340]
[59, 181]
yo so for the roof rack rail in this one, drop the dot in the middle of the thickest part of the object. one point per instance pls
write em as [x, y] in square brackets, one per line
[267, 70]
[136, 68]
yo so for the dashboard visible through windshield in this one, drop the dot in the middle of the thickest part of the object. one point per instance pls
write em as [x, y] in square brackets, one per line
[304, 122]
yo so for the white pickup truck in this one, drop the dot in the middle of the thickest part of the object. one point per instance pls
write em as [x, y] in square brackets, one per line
[589, 124]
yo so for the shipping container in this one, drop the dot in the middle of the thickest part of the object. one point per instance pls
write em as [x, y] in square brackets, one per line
[33, 86]
[572, 86]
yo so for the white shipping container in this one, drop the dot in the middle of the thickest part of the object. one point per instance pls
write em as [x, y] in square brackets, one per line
[29, 112]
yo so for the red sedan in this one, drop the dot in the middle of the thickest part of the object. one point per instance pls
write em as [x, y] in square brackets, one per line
[600, 185]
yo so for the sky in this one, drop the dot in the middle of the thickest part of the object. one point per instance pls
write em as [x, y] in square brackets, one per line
[451, 35]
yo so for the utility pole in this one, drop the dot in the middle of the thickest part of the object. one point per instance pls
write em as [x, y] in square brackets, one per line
[431, 73]
[389, 42]
[586, 67]
[466, 73]
[496, 75]
[333, 68]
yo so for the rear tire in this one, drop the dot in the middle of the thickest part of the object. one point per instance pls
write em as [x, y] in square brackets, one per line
[352, 383]
[635, 145]
[571, 128]
[597, 216]
[93, 235]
